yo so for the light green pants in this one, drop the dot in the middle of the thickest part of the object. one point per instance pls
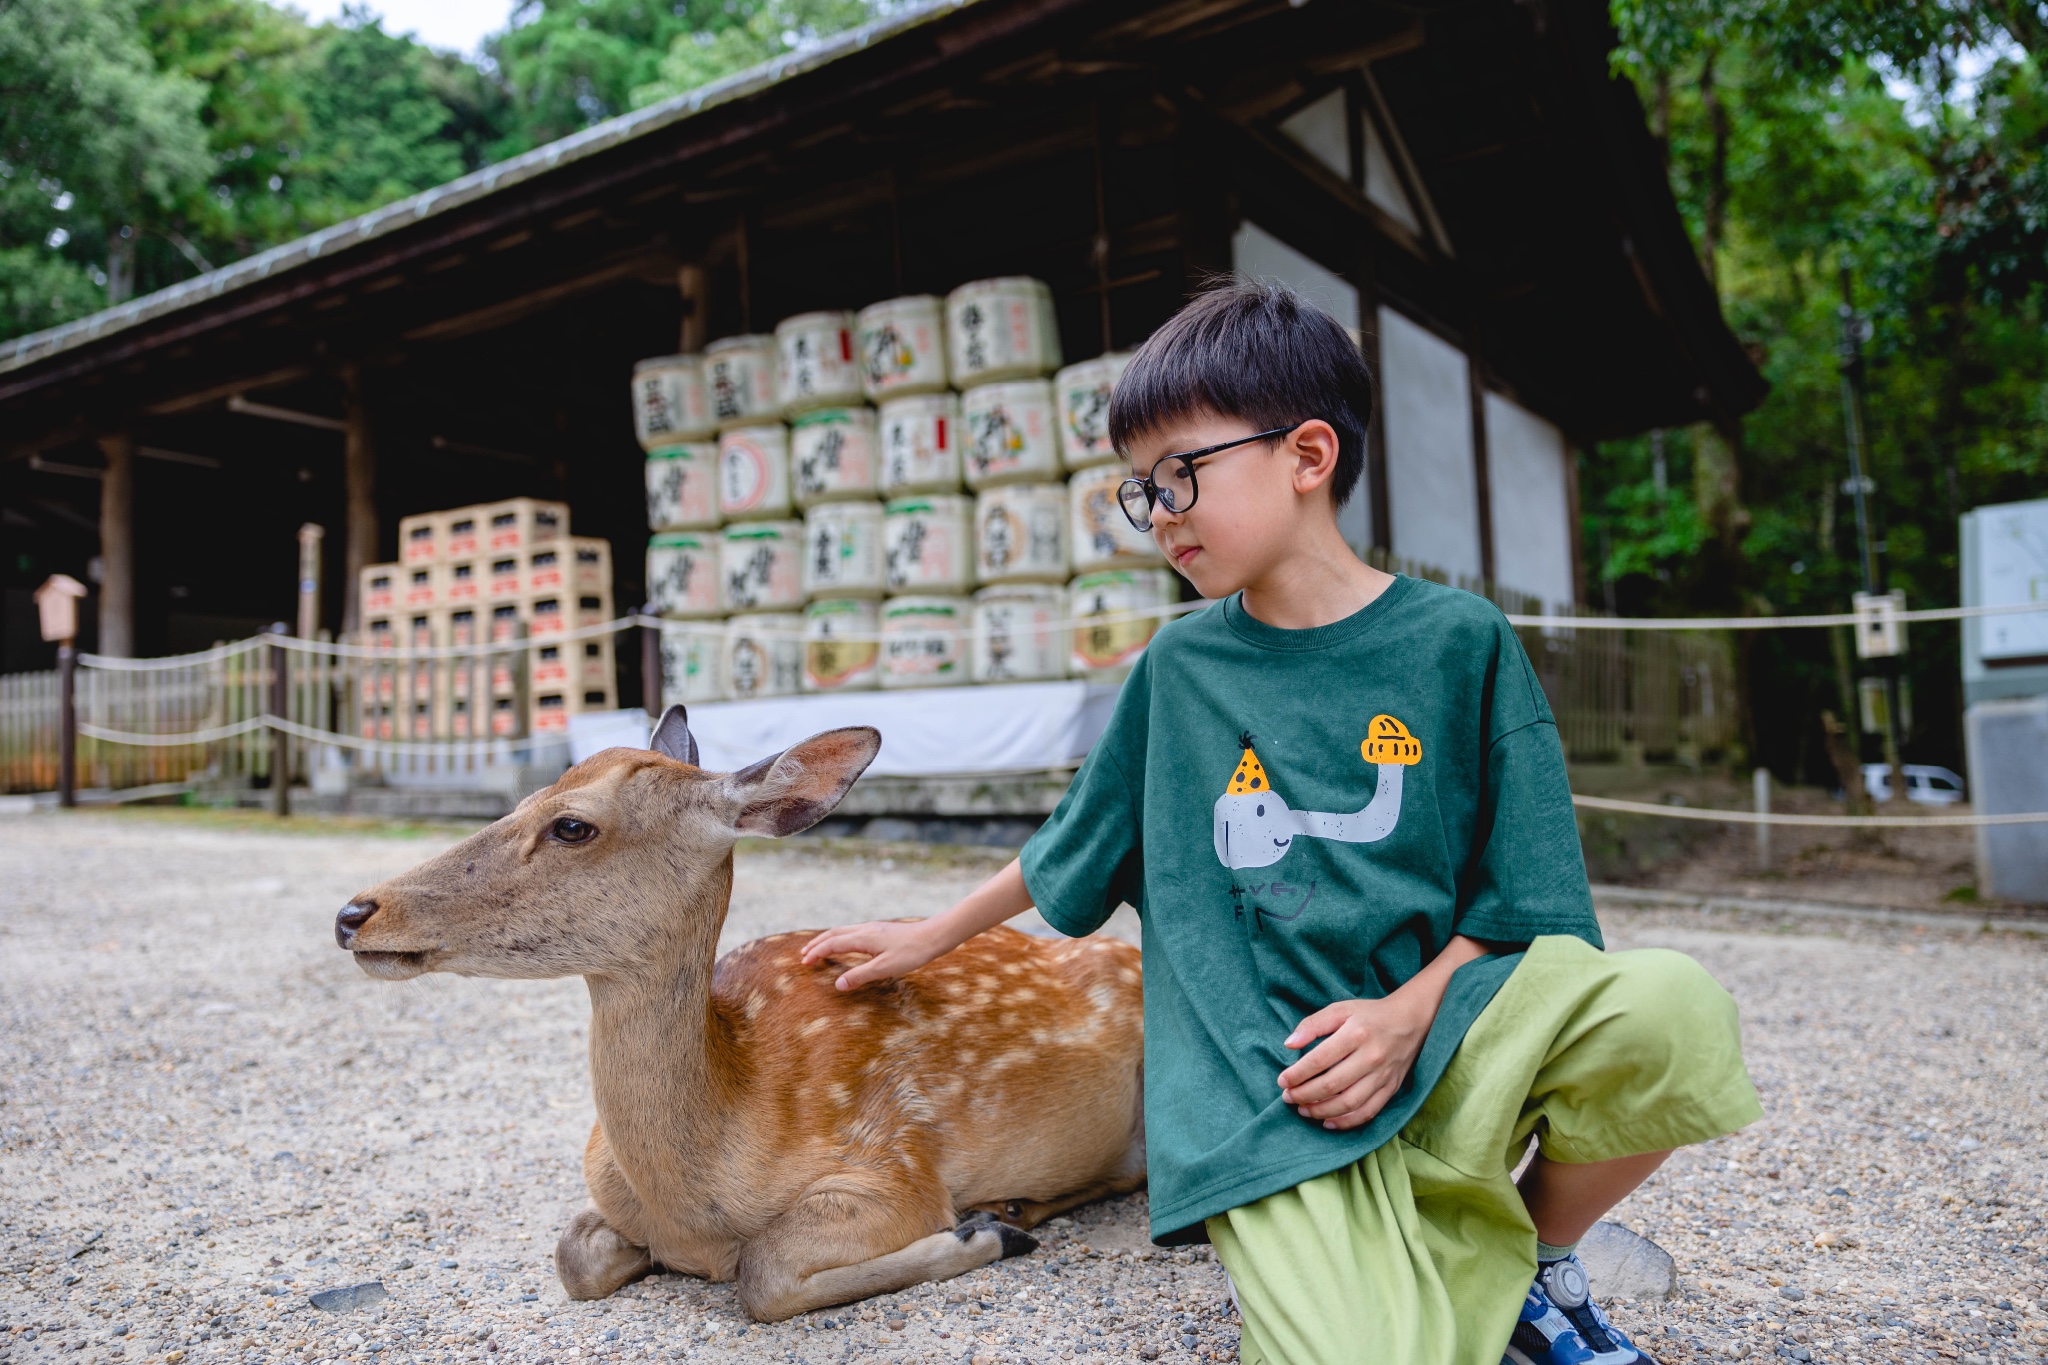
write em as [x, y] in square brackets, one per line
[1421, 1252]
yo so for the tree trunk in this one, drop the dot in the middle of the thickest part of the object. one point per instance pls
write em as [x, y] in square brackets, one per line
[1848, 769]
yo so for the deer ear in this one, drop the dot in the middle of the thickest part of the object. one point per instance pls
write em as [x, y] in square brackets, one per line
[799, 786]
[672, 736]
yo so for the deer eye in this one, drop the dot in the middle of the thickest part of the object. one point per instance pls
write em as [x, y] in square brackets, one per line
[569, 831]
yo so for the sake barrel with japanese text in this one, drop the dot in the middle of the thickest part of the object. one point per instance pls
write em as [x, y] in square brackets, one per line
[815, 365]
[920, 444]
[692, 662]
[835, 454]
[683, 574]
[841, 653]
[1110, 630]
[1081, 393]
[739, 378]
[753, 473]
[1007, 434]
[682, 487]
[1019, 634]
[1001, 329]
[925, 640]
[843, 554]
[760, 565]
[929, 543]
[1020, 533]
[902, 346]
[764, 655]
[1100, 536]
[670, 401]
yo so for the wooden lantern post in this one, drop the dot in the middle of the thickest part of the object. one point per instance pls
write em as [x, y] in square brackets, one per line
[57, 608]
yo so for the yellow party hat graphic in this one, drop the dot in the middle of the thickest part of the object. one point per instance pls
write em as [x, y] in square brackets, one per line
[1250, 776]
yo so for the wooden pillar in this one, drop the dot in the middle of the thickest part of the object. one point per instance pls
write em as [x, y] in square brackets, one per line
[1482, 469]
[359, 473]
[117, 547]
[695, 288]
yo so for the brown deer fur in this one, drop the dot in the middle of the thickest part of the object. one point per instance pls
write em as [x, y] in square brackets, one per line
[753, 1121]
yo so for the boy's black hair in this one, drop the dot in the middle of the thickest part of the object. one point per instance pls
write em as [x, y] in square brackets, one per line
[1254, 351]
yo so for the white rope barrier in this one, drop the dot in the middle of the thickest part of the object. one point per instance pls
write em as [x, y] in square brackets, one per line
[1767, 622]
[447, 748]
[218, 653]
[162, 741]
[1750, 817]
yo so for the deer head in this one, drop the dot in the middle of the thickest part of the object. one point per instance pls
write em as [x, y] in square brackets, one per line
[591, 876]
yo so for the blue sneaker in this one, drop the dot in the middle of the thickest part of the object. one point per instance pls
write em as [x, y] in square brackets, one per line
[1544, 1336]
[1562, 1295]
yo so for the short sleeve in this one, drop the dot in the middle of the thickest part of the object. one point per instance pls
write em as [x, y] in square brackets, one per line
[1087, 858]
[1526, 876]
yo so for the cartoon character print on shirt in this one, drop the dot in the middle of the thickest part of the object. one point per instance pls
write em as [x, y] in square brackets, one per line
[1254, 825]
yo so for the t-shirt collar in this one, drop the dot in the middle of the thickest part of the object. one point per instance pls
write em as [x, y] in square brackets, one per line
[1257, 632]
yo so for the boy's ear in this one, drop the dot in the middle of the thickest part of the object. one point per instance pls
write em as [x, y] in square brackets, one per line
[1314, 445]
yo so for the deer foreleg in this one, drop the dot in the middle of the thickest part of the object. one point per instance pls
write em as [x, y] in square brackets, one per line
[594, 1261]
[791, 1268]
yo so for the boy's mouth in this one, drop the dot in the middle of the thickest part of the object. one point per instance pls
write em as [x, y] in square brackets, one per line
[1184, 555]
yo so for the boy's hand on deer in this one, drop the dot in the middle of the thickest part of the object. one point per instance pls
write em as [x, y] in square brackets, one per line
[1368, 1047]
[894, 948]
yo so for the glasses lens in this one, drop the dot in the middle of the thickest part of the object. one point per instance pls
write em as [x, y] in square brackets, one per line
[1137, 506]
[1176, 482]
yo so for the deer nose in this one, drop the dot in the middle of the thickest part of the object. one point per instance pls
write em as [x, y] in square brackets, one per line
[352, 917]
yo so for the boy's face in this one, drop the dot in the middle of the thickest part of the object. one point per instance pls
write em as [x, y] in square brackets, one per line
[1252, 502]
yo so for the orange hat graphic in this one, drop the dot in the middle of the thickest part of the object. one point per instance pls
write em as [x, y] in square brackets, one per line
[1387, 741]
[1250, 776]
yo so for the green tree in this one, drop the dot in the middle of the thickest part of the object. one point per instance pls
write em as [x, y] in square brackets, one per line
[94, 139]
[1804, 137]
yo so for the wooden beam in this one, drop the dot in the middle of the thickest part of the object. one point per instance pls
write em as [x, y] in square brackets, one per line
[206, 398]
[507, 311]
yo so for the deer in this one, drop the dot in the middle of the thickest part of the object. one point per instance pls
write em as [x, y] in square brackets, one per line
[754, 1122]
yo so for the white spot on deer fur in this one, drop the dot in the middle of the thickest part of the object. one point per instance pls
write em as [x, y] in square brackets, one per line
[1023, 995]
[754, 1003]
[812, 1027]
[838, 1094]
[1102, 995]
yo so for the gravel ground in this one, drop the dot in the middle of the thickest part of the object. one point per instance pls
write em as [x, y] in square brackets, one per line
[207, 1113]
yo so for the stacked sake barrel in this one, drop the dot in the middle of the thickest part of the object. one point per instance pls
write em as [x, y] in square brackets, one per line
[881, 499]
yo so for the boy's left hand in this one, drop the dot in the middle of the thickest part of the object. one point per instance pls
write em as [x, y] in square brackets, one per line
[1368, 1047]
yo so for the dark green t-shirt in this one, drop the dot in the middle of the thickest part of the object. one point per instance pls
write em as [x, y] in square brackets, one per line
[1300, 817]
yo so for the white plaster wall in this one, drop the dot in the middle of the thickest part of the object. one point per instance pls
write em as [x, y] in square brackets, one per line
[1257, 254]
[1432, 487]
[1382, 185]
[1532, 509]
[1322, 132]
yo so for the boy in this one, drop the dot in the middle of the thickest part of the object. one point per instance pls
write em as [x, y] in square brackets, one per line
[1357, 1011]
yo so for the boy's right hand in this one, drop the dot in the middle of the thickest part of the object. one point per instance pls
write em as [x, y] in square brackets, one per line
[894, 948]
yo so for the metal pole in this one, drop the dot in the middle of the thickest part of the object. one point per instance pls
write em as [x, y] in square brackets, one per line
[1760, 782]
[280, 742]
[67, 724]
[1860, 486]
[652, 683]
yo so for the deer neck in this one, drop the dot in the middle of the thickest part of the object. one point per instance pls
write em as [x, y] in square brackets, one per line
[663, 1070]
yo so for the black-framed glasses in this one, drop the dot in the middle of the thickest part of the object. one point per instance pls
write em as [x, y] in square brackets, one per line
[1175, 491]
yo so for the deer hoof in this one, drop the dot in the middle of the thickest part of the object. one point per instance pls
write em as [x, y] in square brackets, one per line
[1015, 1241]
[593, 1261]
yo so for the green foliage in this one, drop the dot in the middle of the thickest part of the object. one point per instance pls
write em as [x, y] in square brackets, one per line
[571, 63]
[773, 30]
[1803, 137]
[93, 137]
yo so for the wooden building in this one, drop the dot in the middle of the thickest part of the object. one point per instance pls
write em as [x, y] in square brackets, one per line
[1464, 183]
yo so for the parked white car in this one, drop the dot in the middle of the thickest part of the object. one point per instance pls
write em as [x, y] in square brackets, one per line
[1925, 783]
